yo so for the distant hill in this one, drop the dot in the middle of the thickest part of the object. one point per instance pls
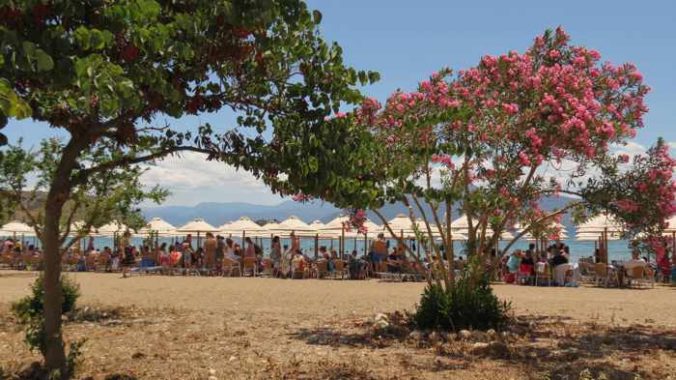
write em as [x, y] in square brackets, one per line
[219, 213]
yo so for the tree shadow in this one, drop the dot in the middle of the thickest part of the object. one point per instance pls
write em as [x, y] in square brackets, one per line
[556, 347]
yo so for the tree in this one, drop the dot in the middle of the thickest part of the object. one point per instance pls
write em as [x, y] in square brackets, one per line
[105, 73]
[493, 140]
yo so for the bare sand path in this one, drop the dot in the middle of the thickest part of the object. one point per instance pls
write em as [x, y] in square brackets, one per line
[257, 328]
[329, 298]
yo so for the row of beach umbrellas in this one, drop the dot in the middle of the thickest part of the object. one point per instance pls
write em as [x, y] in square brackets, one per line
[601, 225]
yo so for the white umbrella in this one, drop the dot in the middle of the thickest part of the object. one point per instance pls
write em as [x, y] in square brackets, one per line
[671, 226]
[600, 223]
[17, 228]
[295, 225]
[244, 225]
[460, 225]
[158, 226]
[76, 228]
[111, 228]
[563, 233]
[197, 225]
[593, 236]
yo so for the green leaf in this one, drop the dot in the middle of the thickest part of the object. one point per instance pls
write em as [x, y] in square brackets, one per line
[45, 62]
[317, 17]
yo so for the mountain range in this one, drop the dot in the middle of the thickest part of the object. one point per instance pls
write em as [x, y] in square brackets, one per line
[216, 213]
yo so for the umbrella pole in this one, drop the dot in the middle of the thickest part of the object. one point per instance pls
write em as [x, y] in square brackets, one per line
[342, 244]
[366, 243]
[316, 246]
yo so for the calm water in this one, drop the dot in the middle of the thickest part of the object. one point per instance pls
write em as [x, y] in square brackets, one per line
[618, 250]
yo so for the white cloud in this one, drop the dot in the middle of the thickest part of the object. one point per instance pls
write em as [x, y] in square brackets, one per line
[192, 179]
[672, 145]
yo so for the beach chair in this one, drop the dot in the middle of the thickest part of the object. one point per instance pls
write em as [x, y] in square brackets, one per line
[543, 274]
[90, 262]
[639, 276]
[321, 269]
[525, 274]
[587, 272]
[341, 269]
[603, 274]
[250, 265]
[231, 268]
[268, 268]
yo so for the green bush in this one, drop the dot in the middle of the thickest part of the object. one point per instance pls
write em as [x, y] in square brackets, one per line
[28, 310]
[464, 306]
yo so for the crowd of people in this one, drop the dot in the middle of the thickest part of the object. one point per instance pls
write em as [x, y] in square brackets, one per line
[219, 255]
[555, 266]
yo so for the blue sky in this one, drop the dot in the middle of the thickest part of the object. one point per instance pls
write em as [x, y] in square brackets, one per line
[407, 40]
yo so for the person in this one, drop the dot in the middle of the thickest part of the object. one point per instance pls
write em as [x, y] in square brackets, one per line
[230, 250]
[250, 250]
[527, 258]
[393, 264]
[276, 255]
[162, 255]
[219, 254]
[558, 258]
[186, 253]
[209, 246]
[513, 263]
[378, 251]
[635, 261]
[597, 255]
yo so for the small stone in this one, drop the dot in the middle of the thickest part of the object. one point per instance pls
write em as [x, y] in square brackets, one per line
[433, 337]
[381, 317]
[212, 371]
[491, 334]
[232, 358]
[381, 324]
[465, 334]
[415, 335]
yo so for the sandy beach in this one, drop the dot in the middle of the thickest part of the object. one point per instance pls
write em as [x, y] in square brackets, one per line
[193, 328]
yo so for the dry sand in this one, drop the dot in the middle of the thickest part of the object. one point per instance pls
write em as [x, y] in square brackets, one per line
[183, 327]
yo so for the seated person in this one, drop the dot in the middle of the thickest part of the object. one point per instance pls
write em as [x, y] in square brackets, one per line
[635, 261]
[558, 259]
[514, 261]
[527, 259]
[393, 264]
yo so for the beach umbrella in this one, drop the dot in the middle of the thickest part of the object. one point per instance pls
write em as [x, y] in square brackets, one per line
[460, 225]
[243, 225]
[77, 228]
[17, 228]
[111, 229]
[600, 223]
[295, 225]
[563, 233]
[158, 226]
[196, 226]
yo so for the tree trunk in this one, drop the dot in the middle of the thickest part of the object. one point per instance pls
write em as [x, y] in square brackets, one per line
[59, 192]
[55, 355]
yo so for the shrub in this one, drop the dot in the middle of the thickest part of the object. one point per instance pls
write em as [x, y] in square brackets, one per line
[28, 310]
[466, 305]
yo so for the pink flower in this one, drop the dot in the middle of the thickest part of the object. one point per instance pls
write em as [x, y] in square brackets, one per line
[523, 159]
[554, 54]
[510, 108]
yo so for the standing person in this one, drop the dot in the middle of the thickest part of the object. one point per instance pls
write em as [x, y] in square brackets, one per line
[210, 245]
[186, 253]
[220, 253]
[250, 249]
[378, 250]
[276, 255]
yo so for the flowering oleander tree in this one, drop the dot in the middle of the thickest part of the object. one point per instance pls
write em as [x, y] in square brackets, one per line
[493, 140]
